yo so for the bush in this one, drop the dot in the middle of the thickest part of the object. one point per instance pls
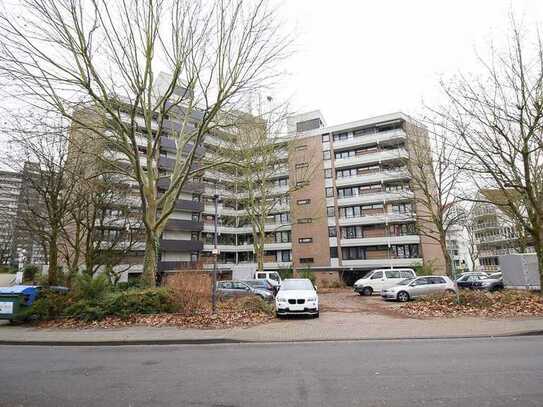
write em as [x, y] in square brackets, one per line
[254, 304]
[285, 273]
[307, 273]
[29, 272]
[49, 305]
[88, 287]
[192, 290]
[427, 269]
[124, 303]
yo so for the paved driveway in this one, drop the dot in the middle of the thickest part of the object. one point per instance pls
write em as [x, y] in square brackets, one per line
[345, 300]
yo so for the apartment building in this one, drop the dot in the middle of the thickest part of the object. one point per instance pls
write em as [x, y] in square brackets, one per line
[457, 246]
[495, 232]
[17, 243]
[10, 187]
[355, 213]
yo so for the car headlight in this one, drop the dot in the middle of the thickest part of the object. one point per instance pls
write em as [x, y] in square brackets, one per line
[312, 299]
[281, 299]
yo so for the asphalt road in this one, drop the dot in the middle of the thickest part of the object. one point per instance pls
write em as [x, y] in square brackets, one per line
[461, 372]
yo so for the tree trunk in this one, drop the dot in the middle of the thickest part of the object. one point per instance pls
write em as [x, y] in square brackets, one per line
[448, 259]
[150, 260]
[53, 260]
[539, 253]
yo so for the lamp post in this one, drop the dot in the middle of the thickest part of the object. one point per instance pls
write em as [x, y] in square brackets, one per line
[215, 255]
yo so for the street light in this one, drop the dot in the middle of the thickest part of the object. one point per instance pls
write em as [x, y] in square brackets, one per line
[215, 252]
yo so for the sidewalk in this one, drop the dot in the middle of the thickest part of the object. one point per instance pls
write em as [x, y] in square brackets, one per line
[330, 326]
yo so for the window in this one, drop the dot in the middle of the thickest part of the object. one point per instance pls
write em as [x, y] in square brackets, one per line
[402, 208]
[305, 220]
[305, 260]
[345, 154]
[327, 173]
[376, 275]
[301, 184]
[194, 235]
[333, 252]
[392, 274]
[194, 257]
[341, 136]
[437, 280]
[305, 240]
[330, 211]
[325, 138]
[282, 237]
[329, 192]
[352, 232]
[326, 155]
[195, 217]
[281, 182]
[407, 274]
[286, 256]
[332, 231]
[301, 147]
[261, 275]
[303, 201]
[196, 197]
[301, 165]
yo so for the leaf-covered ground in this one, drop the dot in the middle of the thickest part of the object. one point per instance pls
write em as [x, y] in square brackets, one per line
[500, 304]
[242, 313]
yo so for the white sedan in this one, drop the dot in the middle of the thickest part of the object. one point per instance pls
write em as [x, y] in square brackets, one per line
[297, 296]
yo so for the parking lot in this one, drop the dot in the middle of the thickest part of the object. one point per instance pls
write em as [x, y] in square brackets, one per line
[344, 300]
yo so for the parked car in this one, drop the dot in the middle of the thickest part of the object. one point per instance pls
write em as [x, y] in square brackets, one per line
[417, 287]
[226, 289]
[261, 285]
[468, 280]
[272, 276]
[376, 280]
[489, 283]
[297, 296]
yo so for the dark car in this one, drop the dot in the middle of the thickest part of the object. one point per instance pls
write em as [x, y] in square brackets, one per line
[261, 285]
[226, 289]
[470, 280]
[480, 282]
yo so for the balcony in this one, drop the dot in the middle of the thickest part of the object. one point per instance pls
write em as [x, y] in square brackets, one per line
[174, 245]
[186, 205]
[372, 158]
[371, 139]
[381, 263]
[376, 241]
[376, 219]
[178, 266]
[370, 178]
[182, 224]
[375, 198]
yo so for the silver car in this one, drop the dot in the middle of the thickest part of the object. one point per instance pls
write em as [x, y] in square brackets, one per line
[417, 287]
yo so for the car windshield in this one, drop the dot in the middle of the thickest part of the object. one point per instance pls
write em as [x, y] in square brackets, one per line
[406, 281]
[296, 285]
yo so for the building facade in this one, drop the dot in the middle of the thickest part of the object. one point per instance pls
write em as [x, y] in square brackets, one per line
[495, 232]
[10, 187]
[355, 212]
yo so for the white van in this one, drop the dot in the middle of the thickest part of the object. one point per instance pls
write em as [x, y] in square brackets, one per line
[376, 280]
[272, 276]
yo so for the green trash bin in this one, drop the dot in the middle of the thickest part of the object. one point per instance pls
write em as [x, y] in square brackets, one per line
[10, 305]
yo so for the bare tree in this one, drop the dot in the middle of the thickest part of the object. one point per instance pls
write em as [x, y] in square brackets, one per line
[497, 118]
[435, 172]
[48, 187]
[471, 242]
[6, 236]
[261, 180]
[71, 54]
[103, 228]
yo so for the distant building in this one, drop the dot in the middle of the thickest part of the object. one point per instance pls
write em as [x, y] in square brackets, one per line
[458, 249]
[10, 187]
[495, 232]
[16, 241]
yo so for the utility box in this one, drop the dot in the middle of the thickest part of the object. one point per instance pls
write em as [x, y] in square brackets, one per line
[520, 271]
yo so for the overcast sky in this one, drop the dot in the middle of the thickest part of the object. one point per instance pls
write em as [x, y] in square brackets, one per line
[360, 58]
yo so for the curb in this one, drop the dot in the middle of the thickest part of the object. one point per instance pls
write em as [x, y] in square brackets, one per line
[223, 341]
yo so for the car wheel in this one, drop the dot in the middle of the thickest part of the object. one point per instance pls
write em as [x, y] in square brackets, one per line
[316, 315]
[403, 296]
[367, 291]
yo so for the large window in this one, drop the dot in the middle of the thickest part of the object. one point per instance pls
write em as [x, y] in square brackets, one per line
[402, 208]
[282, 237]
[330, 211]
[329, 192]
[327, 173]
[341, 136]
[352, 232]
[326, 155]
[332, 231]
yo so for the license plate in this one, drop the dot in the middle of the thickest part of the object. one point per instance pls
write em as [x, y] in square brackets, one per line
[6, 308]
[296, 307]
